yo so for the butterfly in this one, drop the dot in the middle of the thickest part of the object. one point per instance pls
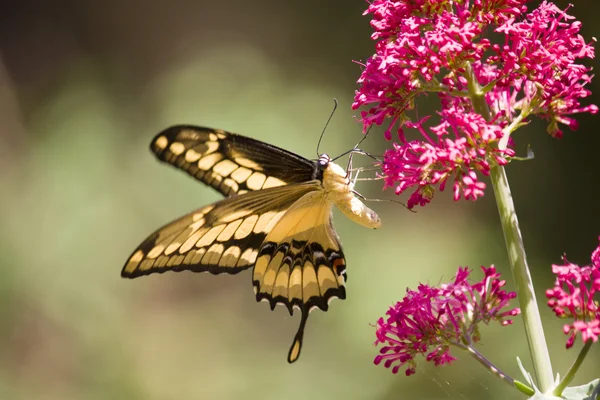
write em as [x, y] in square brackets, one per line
[276, 219]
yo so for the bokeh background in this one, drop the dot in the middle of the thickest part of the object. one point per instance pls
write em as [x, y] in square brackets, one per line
[84, 86]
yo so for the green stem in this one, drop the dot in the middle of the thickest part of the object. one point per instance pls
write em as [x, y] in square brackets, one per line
[487, 364]
[516, 252]
[573, 370]
[522, 277]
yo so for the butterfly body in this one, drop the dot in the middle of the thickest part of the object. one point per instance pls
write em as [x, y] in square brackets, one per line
[276, 220]
[339, 187]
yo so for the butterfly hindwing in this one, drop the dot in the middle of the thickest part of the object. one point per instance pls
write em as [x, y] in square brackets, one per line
[224, 237]
[300, 263]
[230, 163]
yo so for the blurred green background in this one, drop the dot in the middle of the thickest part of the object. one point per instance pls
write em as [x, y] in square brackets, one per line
[85, 85]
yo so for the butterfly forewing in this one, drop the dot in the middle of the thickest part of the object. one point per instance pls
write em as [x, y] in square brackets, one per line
[230, 163]
[224, 237]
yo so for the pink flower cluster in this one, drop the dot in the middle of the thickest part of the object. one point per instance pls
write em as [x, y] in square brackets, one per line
[431, 320]
[438, 46]
[573, 297]
[540, 57]
[463, 145]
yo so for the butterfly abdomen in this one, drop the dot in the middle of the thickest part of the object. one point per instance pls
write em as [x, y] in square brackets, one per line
[340, 191]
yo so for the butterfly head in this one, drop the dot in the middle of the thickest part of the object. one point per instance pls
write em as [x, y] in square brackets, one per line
[323, 161]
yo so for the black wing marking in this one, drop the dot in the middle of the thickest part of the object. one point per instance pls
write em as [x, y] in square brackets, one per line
[231, 163]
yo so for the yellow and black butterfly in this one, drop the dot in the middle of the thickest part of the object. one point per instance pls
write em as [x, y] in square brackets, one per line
[276, 218]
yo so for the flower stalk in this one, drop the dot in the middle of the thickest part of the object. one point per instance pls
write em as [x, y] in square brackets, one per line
[520, 271]
[488, 364]
[573, 370]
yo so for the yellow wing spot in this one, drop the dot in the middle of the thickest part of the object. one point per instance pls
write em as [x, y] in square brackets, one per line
[192, 156]
[161, 261]
[225, 167]
[248, 257]
[171, 261]
[210, 236]
[206, 147]
[246, 228]
[229, 231]
[326, 278]
[273, 182]
[255, 182]
[205, 210]
[213, 137]
[241, 174]
[261, 266]
[177, 148]
[213, 254]
[199, 216]
[282, 282]
[194, 226]
[221, 134]
[274, 221]
[156, 251]
[213, 178]
[189, 134]
[134, 261]
[310, 286]
[262, 224]
[207, 162]
[295, 285]
[230, 257]
[236, 215]
[268, 279]
[246, 162]
[212, 147]
[194, 256]
[161, 142]
[230, 184]
[178, 259]
[191, 241]
[172, 247]
[146, 265]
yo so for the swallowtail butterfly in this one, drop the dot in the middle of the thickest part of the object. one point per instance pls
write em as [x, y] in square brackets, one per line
[276, 219]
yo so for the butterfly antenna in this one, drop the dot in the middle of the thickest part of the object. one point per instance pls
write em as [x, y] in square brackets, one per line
[335, 104]
[364, 137]
[355, 149]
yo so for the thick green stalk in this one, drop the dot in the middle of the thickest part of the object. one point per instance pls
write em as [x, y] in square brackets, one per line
[516, 252]
[522, 278]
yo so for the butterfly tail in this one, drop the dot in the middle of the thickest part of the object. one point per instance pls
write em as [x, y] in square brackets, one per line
[297, 344]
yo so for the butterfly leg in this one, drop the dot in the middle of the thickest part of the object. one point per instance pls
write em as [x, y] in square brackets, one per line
[297, 344]
[363, 198]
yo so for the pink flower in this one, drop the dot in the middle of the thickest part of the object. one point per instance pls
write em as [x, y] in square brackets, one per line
[459, 148]
[431, 320]
[573, 297]
[486, 90]
[541, 52]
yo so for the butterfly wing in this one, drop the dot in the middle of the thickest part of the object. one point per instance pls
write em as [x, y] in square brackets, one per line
[230, 163]
[224, 237]
[300, 263]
